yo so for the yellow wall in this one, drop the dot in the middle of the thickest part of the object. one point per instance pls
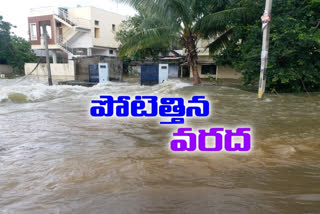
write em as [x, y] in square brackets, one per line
[223, 72]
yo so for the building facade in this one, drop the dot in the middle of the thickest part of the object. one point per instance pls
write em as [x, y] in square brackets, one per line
[207, 67]
[74, 32]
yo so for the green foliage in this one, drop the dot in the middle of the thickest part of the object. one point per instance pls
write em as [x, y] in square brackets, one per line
[130, 29]
[294, 54]
[181, 21]
[211, 78]
[14, 51]
[4, 40]
[22, 53]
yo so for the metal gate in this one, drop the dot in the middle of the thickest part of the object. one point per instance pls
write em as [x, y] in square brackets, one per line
[149, 74]
[93, 73]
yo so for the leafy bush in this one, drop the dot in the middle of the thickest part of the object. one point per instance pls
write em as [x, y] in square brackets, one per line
[14, 51]
[294, 55]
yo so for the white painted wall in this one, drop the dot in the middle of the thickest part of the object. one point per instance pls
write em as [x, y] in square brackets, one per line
[85, 17]
[105, 18]
[81, 16]
[61, 71]
[81, 12]
[83, 41]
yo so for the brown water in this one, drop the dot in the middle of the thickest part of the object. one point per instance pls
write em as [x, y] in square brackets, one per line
[55, 159]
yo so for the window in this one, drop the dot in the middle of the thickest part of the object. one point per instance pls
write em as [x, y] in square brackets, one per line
[96, 22]
[96, 32]
[209, 69]
[113, 27]
[33, 31]
[111, 52]
[48, 28]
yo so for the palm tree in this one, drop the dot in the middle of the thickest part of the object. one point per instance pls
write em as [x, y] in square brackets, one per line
[186, 21]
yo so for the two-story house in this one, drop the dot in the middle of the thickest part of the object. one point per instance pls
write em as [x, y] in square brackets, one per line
[74, 32]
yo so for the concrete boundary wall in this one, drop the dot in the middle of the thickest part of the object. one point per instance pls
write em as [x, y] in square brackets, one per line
[57, 70]
[82, 67]
[227, 72]
[5, 69]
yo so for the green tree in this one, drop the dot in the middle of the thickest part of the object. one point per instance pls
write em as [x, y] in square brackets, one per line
[14, 50]
[130, 28]
[22, 53]
[294, 54]
[5, 37]
[185, 21]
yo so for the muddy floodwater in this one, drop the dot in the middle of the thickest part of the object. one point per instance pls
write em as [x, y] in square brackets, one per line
[54, 158]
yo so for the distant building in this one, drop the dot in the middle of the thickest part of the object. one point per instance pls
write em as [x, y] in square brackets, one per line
[207, 67]
[75, 32]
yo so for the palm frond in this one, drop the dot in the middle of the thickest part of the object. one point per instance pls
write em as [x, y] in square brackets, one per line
[216, 23]
[220, 42]
[171, 10]
[180, 9]
[158, 36]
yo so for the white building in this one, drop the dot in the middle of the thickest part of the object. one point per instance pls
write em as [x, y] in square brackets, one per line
[75, 32]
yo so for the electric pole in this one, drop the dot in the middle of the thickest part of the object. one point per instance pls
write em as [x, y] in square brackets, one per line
[266, 19]
[45, 35]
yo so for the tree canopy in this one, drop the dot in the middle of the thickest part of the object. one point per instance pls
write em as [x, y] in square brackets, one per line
[294, 54]
[131, 28]
[14, 51]
[184, 21]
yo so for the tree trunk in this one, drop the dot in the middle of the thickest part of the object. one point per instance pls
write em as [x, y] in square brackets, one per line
[196, 77]
[192, 55]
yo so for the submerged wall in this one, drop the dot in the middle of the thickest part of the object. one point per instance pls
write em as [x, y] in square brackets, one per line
[227, 72]
[58, 71]
[82, 67]
[6, 69]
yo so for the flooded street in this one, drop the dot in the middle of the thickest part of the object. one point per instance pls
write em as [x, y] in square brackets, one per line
[55, 158]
